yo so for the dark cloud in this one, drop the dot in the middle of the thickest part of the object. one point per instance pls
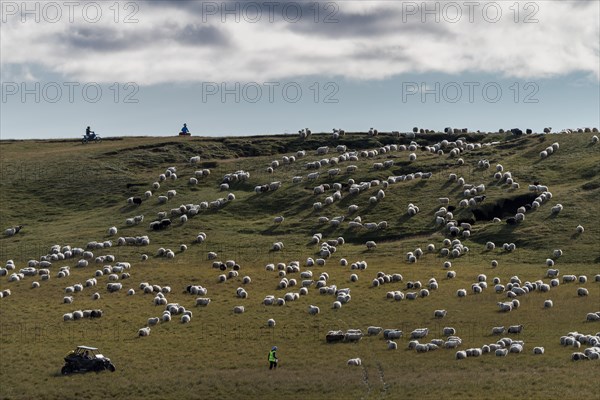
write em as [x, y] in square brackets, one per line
[377, 23]
[326, 18]
[97, 39]
[201, 36]
[102, 39]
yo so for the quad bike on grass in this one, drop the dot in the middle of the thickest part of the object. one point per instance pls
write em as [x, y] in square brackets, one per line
[84, 359]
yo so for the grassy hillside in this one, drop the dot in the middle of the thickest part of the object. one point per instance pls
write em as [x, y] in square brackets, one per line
[67, 193]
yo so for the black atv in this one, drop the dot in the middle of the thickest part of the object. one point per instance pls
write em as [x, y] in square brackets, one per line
[84, 359]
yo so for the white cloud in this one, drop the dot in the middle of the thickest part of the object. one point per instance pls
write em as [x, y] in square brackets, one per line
[370, 41]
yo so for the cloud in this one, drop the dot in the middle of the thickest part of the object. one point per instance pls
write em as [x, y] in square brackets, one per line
[188, 42]
[195, 35]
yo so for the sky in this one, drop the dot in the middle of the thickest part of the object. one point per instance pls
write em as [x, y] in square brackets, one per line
[235, 68]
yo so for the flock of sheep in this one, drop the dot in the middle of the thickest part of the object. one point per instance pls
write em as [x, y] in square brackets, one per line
[297, 278]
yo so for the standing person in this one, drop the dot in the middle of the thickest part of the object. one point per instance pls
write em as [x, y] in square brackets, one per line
[273, 358]
[184, 130]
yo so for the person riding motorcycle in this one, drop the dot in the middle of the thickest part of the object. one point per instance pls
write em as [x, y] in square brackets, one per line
[91, 135]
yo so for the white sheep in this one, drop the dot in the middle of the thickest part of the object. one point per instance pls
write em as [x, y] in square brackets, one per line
[501, 352]
[498, 330]
[355, 362]
[593, 317]
[419, 333]
[448, 331]
[515, 348]
[515, 329]
[144, 331]
[313, 310]
[202, 301]
[374, 330]
[239, 309]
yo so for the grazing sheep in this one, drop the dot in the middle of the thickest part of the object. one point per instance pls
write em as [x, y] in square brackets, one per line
[548, 304]
[392, 334]
[579, 229]
[421, 348]
[593, 317]
[579, 356]
[419, 333]
[277, 246]
[515, 329]
[439, 313]
[374, 330]
[270, 322]
[356, 362]
[552, 273]
[13, 230]
[582, 292]
[538, 350]
[202, 301]
[144, 331]
[353, 335]
[238, 309]
[313, 310]
[498, 330]
[515, 348]
[448, 331]
[501, 352]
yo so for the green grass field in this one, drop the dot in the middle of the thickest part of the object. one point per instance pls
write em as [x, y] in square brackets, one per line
[67, 193]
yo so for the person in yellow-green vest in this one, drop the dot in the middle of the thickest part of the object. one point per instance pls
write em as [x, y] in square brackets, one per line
[273, 358]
